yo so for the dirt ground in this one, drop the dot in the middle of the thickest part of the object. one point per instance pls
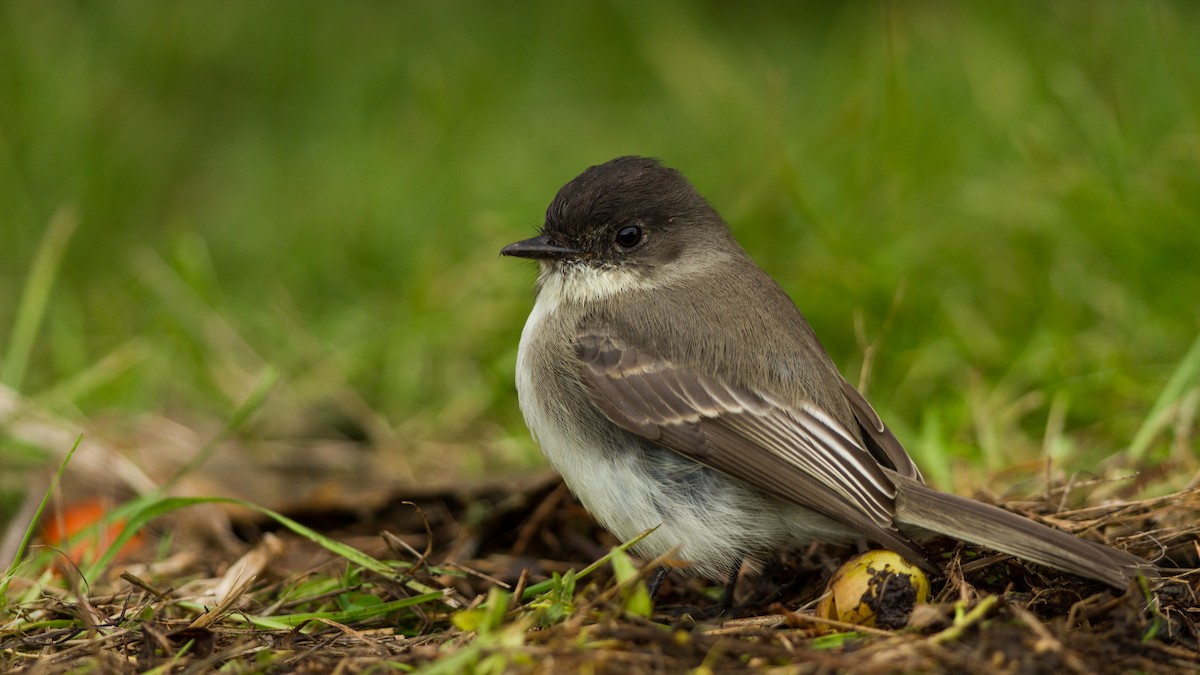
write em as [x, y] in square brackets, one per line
[987, 614]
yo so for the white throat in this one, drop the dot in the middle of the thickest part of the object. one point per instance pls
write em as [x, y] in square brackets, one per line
[583, 283]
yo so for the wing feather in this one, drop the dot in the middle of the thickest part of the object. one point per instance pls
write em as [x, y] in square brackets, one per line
[880, 440]
[802, 455]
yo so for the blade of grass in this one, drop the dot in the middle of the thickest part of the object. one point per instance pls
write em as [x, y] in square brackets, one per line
[258, 396]
[36, 294]
[931, 450]
[635, 596]
[141, 511]
[108, 368]
[1185, 378]
[541, 587]
[292, 621]
[20, 552]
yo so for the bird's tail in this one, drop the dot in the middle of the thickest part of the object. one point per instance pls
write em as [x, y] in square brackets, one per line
[919, 505]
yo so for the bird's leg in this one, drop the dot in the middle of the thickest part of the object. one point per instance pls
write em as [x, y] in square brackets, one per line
[656, 578]
[730, 587]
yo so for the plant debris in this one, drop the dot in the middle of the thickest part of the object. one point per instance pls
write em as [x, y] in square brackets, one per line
[488, 577]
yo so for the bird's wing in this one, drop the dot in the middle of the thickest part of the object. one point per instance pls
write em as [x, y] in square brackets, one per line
[878, 437]
[798, 453]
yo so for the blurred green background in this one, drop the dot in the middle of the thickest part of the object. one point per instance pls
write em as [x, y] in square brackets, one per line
[1002, 198]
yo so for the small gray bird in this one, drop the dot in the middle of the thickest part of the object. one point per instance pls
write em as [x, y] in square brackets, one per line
[674, 384]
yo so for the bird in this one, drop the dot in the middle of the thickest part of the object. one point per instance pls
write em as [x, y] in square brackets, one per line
[677, 388]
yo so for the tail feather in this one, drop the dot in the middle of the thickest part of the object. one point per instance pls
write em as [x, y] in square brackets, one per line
[920, 505]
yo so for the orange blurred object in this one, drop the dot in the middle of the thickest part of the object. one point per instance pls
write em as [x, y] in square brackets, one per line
[77, 530]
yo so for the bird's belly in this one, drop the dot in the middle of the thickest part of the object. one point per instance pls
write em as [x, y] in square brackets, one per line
[710, 521]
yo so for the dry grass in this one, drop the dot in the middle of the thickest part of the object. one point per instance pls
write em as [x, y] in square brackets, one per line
[460, 557]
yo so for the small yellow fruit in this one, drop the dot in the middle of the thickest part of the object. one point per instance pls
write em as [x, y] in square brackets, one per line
[877, 588]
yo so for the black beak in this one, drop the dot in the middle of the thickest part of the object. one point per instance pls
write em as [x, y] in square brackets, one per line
[538, 248]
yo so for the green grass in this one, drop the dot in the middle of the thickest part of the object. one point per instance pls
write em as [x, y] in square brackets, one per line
[321, 191]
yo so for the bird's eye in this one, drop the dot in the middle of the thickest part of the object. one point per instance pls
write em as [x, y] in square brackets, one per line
[629, 236]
